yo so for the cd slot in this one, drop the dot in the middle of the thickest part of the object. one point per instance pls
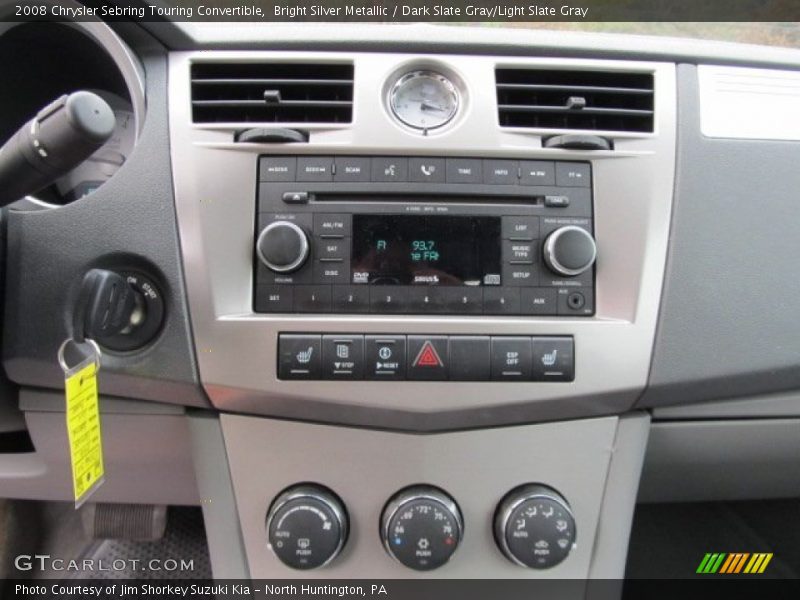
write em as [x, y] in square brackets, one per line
[526, 200]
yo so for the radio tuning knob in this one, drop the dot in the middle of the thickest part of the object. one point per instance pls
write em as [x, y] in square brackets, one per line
[282, 246]
[569, 251]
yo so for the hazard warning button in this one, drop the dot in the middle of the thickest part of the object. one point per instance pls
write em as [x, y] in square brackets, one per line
[427, 357]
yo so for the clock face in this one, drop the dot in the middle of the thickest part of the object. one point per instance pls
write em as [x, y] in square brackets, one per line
[424, 100]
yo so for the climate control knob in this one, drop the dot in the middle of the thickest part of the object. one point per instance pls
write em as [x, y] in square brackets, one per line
[421, 527]
[282, 246]
[307, 526]
[534, 527]
[570, 251]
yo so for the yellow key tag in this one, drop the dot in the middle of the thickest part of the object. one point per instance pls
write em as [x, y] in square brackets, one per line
[83, 423]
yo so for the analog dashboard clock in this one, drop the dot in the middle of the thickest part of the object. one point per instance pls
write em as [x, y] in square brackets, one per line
[424, 100]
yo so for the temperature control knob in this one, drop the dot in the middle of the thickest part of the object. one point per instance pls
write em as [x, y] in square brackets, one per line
[421, 527]
[570, 251]
[282, 246]
[534, 527]
[307, 526]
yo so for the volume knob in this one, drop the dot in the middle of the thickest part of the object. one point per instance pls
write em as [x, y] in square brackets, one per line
[570, 251]
[282, 246]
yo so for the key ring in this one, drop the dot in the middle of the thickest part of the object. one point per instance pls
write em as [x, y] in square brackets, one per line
[95, 356]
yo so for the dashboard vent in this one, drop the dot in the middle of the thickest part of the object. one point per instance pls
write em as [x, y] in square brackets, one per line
[272, 93]
[584, 100]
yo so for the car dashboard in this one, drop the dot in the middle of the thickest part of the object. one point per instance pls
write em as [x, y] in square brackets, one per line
[436, 302]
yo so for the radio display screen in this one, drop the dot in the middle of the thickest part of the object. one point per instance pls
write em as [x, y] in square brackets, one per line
[426, 250]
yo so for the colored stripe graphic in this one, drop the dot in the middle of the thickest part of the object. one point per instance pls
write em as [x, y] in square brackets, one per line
[734, 563]
[711, 563]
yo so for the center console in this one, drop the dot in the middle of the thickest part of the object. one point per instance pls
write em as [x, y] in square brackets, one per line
[374, 296]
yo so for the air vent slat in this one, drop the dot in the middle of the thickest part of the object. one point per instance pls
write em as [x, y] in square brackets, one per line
[248, 103]
[572, 88]
[623, 112]
[575, 100]
[272, 93]
[272, 81]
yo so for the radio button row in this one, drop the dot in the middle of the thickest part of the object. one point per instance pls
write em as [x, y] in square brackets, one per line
[385, 357]
[352, 169]
[350, 298]
[464, 170]
[519, 275]
[332, 225]
[537, 172]
[273, 298]
[388, 299]
[520, 228]
[573, 174]
[534, 301]
[426, 170]
[501, 301]
[538, 301]
[312, 298]
[500, 172]
[277, 168]
[343, 357]
[332, 249]
[390, 169]
[519, 253]
[331, 272]
[314, 168]
[462, 300]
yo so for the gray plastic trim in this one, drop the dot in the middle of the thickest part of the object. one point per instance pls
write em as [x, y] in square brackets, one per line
[147, 456]
[722, 460]
[215, 490]
[728, 325]
[619, 498]
[757, 407]
[215, 183]
[128, 223]
[477, 468]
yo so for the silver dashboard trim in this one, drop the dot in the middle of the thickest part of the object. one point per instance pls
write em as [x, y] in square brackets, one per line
[476, 468]
[215, 181]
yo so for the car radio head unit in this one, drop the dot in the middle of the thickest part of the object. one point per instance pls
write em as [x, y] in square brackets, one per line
[424, 235]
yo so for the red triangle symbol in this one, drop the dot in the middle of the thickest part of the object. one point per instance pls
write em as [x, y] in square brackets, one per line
[428, 356]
